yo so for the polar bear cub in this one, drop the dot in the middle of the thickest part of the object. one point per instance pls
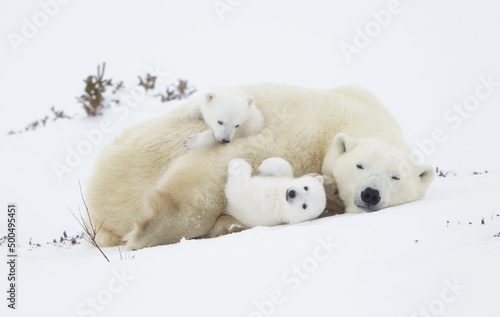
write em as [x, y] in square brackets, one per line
[229, 113]
[271, 199]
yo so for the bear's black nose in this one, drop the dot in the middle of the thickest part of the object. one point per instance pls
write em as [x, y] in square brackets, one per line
[370, 196]
[291, 194]
[225, 140]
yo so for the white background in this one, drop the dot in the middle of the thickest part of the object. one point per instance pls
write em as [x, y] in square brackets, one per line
[428, 58]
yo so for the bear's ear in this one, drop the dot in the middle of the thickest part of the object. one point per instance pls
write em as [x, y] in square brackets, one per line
[250, 100]
[209, 96]
[320, 179]
[426, 174]
[342, 143]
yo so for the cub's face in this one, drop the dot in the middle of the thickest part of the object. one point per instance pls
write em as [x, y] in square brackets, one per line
[306, 198]
[224, 112]
[372, 175]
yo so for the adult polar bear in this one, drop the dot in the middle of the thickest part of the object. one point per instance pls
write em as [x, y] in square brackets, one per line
[146, 190]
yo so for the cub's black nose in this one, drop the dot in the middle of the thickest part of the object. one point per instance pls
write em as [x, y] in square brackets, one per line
[370, 196]
[291, 194]
[225, 140]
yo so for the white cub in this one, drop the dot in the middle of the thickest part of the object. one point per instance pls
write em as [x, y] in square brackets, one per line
[273, 199]
[229, 113]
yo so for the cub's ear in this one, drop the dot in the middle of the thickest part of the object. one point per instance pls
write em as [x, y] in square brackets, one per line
[320, 179]
[209, 96]
[250, 100]
[426, 175]
[342, 143]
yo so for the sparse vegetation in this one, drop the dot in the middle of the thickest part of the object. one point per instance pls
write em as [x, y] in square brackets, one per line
[94, 99]
[441, 173]
[65, 241]
[178, 91]
[149, 83]
[95, 86]
[56, 114]
[124, 255]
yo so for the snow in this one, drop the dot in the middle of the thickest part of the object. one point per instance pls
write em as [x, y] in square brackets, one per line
[418, 259]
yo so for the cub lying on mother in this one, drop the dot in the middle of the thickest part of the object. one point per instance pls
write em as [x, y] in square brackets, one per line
[273, 197]
[145, 176]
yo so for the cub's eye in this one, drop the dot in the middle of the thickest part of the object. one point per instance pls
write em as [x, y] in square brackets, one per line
[220, 122]
[304, 206]
[396, 178]
[306, 188]
[359, 166]
[237, 126]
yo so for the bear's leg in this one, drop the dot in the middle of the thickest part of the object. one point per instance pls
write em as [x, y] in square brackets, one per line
[225, 224]
[185, 203]
[275, 166]
[239, 173]
[166, 228]
[239, 167]
[106, 238]
[154, 231]
[203, 139]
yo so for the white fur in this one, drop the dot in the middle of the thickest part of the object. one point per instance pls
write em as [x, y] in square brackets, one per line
[268, 201]
[229, 112]
[275, 166]
[359, 165]
[145, 176]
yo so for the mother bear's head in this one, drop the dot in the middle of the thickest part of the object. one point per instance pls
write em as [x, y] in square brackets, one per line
[372, 174]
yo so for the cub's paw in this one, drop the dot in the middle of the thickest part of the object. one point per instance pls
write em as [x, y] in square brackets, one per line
[239, 166]
[192, 142]
[275, 166]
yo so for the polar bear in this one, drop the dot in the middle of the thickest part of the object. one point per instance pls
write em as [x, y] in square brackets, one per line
[373, 175]
[229, 113]
[145, 176]
[272, 200]
[276, 166]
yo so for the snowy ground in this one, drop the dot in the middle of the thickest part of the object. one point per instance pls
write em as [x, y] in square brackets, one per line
[433, 257]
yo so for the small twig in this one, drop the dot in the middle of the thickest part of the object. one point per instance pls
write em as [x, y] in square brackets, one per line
[124, 255]
[90, 231]
[118, 87]
[120, 252]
